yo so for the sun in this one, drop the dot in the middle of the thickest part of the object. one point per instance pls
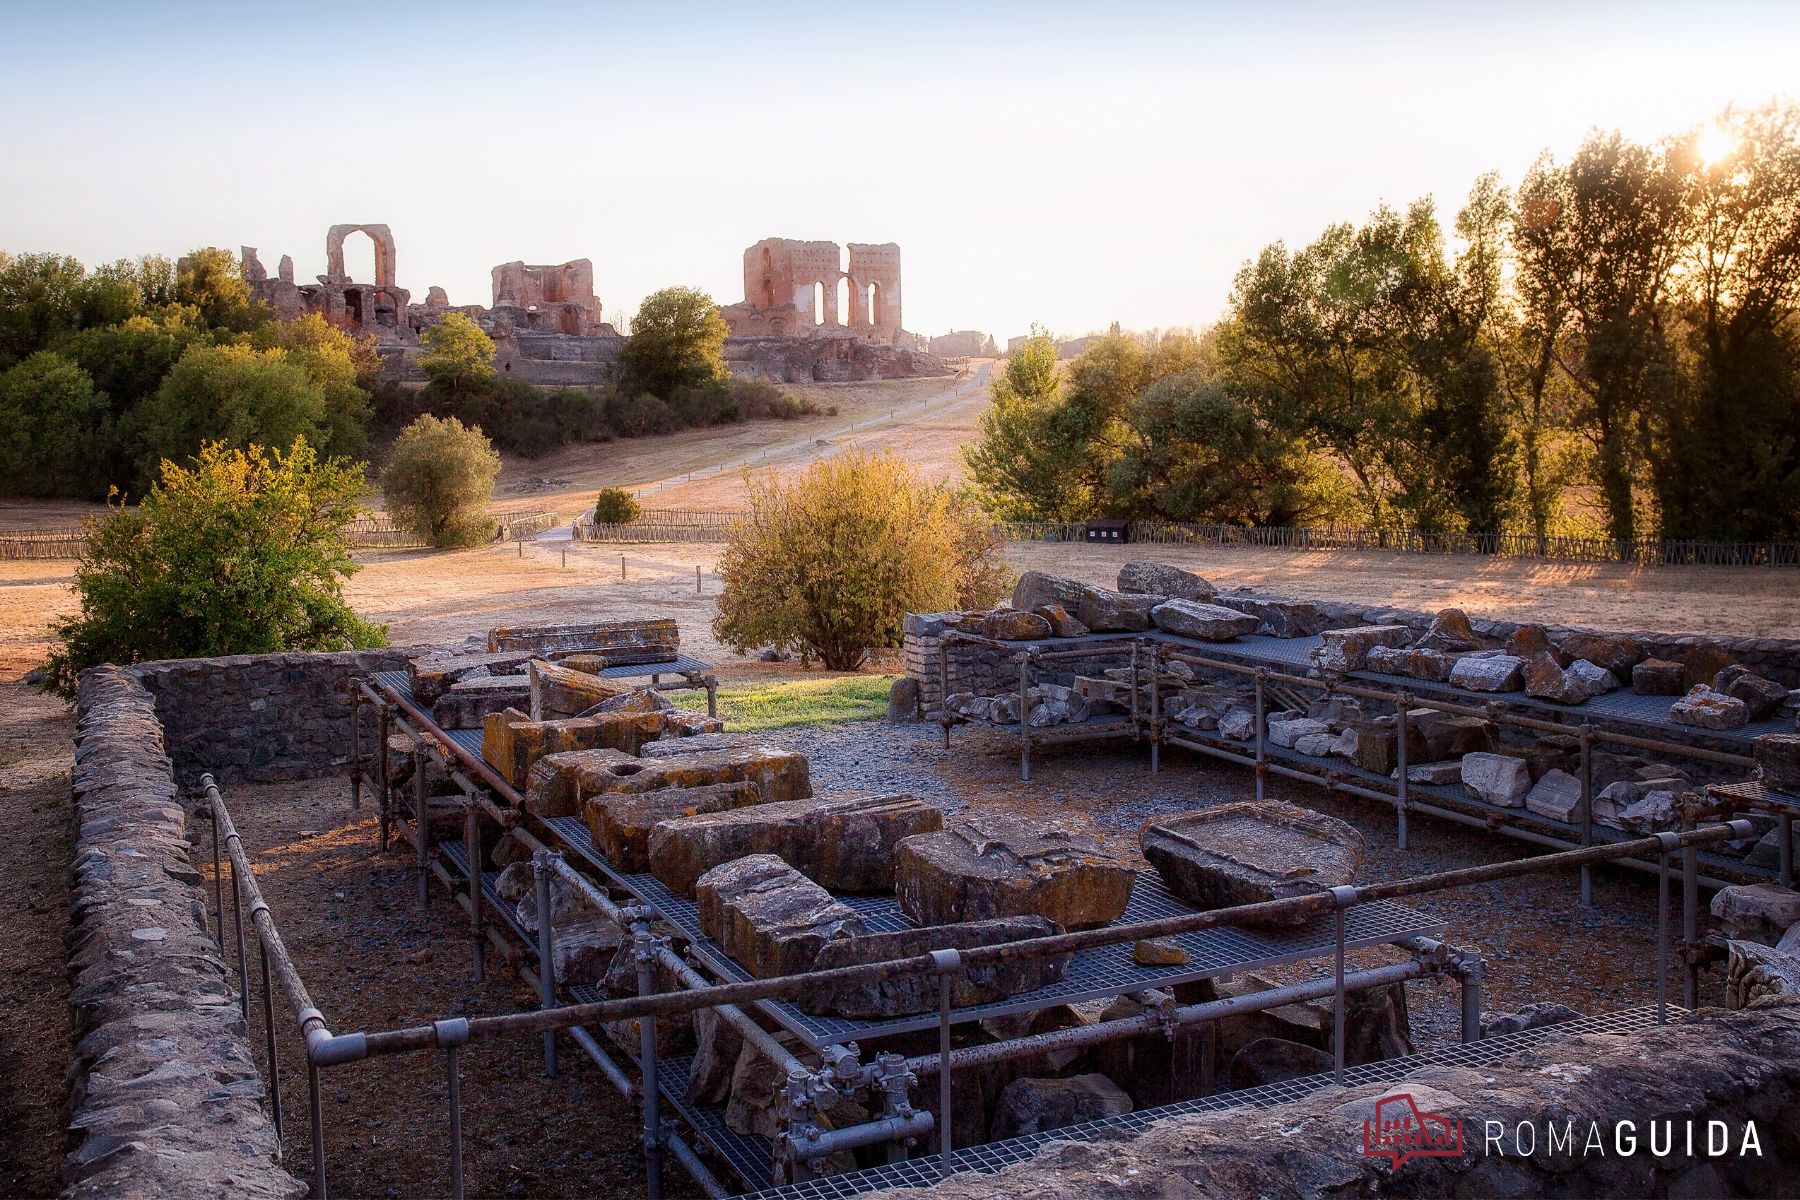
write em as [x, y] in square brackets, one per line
[1715, 143]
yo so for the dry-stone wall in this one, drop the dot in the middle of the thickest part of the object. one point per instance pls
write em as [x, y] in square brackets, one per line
[1733, 1068]
[165, 1099]
[261, 718]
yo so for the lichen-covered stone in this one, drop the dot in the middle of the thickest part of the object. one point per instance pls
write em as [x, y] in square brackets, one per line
[1161, 579]
[1556, 795]
[1762, 697]
[1278, 617]
[561, 780]
[621, 824]
[1062, 623]
[554, 784]
[769, 917]
[1528, 641]
[1450, 631]
[512, 741]
[998, 865]
[1702, 664]
[653, 639]
[1416, 663]
[1657, 677]
[1487, 673]
[1615, 652]
[1209, 622]
[1011, 625]
[1778, 758]
[1756, 912]
[467, 703]
[1704, 708]
[1105, 611]
[1577, 683]
[1249, 852]
[1497, 778]
[902, 995]
[844, 843]
[1037, 588]
[559, 691]
[1343, 650]
[432, 675]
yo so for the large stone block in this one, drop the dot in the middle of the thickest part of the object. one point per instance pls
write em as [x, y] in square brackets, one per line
[845, 843]
[554, 784]
[1209, 622]
[656, 637]
[1105, 611]
[1432, 665]
[1249, 852]
[511, 741]
[1488, 673]
[1704, 708]
[1279, 618]
[1160, 579]
[993, 865]
[558, 691]
[1450, 632]
[562, 780]
[1762, 697]
[1556, 795]
[1343, 650]
[620, 825]
[1702, 664]
[1450, 735]
[1778, 757]
[1497, 778]
[1615, 652]
[466, 704]
[432, 675]
[1378, 745]
[1036, 589]
[769, 917]
[902, 995]
[1011, 625]
[1657, 677]
[1577, 683]
[1030, 1106]
[1756, 912]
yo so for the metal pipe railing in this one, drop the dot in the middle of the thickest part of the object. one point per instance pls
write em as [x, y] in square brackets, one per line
[790, 987]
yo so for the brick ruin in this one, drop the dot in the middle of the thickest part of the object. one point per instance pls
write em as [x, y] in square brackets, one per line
[792, 289]
[546, 319]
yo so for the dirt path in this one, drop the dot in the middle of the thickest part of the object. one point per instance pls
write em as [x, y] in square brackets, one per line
[35, 738]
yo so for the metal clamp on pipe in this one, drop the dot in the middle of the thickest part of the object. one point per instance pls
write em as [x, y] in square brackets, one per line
[451, 1031]
[945, 962]
[1343, 895]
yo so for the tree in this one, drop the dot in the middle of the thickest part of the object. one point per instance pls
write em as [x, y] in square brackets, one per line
[677, 342]
[1021, 464]
[616, 506]
[59, 430]
[212, 281]
[243, 554]
[40, 298]
[457, 355]
[233, 395]
[829, 563]
[439, 480]
[343, 367]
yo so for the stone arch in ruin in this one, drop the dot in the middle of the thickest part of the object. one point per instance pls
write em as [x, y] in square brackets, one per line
[383, 238]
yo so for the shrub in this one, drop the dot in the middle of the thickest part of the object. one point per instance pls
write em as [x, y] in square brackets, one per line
[439, 480]
[616, 506]
[636, 416]
[677, 341]
[243, 554]
[456, 354]
[829, 563]
[758, 399]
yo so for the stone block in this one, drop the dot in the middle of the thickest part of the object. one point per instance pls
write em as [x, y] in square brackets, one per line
[433, 675]
[1378, 745]
[554, 784]
[1778, 759]
[654, 639]
[1030, 1106]
[1657, 677]
[1450, 735]
[1037, 588]
[1316, 745]
[1106, 611]
[1657, 812]
[1614, 652]
[1286, 733]
[1495, 673]
[769, 917]
[1762, 697]
[511, 742]
[1497, 778]
[1702, 664]
[1436, 774]
[995, 865]
[1160, 579]
[1529, 641]
[903, 700]
[1704, 708]
[621, 825]
[1249, 852]
[1415, 663]
[1278, 618]
[467, 703]
[1273, 1060]
[1209, 622]
[1062, 623]
[558, 691]
[1012, 625]
[1344, 650]
[1756, 912]
[844, 843]
[902, 995]
[1450, 632]
[1557, 795]
[1577, 683]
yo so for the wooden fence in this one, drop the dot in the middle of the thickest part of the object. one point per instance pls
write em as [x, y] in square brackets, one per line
[364, 533]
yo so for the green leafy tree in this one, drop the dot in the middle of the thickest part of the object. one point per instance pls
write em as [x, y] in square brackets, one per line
[343, 367]
[1021, 464]
[677, 342]
[230, 394]
[242, 554]
[830, 563]
[58, 430]
[457, 356]
[616, 506]
[40, 299]
[211, 280]
[439, 481]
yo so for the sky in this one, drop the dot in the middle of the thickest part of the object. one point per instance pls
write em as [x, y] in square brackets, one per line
[1072, 165]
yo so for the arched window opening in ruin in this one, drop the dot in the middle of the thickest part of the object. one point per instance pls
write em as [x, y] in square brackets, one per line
[353, 300]
[359, 257]
[844, 259]
[818, 303]
[571, 320]
[842, 315]
[871, 311]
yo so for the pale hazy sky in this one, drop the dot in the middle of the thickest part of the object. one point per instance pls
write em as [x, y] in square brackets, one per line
[1072, 164]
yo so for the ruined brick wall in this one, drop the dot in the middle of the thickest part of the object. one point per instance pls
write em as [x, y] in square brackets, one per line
[164, 1096]
[260, 718]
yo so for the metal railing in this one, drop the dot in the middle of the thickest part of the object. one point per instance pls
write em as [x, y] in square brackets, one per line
[364, 533]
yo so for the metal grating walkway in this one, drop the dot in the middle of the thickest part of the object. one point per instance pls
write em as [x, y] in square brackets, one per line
[1092, 974]
[923, 1172]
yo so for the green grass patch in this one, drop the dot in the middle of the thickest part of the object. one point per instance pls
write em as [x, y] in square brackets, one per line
[751, 707]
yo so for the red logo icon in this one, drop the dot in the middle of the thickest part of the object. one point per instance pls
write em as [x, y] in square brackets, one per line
[1401, 1131]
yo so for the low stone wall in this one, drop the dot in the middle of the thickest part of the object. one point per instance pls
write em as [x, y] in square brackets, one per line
[979, 667]
[1734, 1068]
[261, 718]
[165, 1099]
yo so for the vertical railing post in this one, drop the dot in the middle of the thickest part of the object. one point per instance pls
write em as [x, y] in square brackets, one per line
[1262, 675]
[356, 758]
[472, 844]
[1155, 710]
[1587, 811]
[1469, 981]
[1662, 937]
[643, 949]
[318, 1131]
[451, 1034]
[540, 867]
[1025, 716]
[422, 825]
[1690, 917]
[384, 815]
[218, 879]
[947, 963]
[237, 921]
[1344, 896]
[1402, 728]
[268, 1007]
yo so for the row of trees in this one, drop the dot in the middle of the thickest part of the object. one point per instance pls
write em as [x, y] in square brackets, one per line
[1615, 342]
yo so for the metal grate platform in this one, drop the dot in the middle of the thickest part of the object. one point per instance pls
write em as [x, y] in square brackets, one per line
[1092, 974]
[924, 1172]
[1754, 793]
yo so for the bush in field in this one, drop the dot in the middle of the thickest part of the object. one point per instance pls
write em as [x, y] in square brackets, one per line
[244, 553]
[439, 480]
[829, 563]
[758, 400]
[616, 506]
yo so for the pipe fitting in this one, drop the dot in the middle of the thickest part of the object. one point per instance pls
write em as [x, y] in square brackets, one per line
[451, 1031]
